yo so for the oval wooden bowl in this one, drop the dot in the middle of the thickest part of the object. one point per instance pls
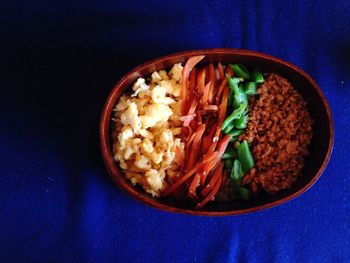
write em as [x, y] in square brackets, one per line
[320, 148]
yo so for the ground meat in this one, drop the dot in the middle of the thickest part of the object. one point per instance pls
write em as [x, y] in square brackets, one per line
[279, 132]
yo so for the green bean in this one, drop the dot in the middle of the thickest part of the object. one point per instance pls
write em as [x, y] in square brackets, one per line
[236, 114]
[234, 132]
[241, 85]
[240, 71]
[229, 153]
[230, 98]
[257, 76]
[233, 83]
[245, 157]
[250, 88]
[236, 173]
[229, 127]
[241, 123]
[238, 158]
[233, 138]
[239, 95]
[244, 193]
[228, 164]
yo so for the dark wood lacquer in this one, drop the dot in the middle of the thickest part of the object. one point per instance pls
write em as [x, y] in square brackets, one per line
[320, 148]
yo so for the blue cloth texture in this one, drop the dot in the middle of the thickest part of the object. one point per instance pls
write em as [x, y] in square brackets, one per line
[58, 62]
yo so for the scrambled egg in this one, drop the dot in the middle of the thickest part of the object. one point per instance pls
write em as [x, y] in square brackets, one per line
[147, 126]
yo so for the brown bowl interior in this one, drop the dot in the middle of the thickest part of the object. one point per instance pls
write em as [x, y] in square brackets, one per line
[320, 148]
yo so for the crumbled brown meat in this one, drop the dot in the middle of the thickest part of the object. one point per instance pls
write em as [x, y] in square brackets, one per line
[279, 132]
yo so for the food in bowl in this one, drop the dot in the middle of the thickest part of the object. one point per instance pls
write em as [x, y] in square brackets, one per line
[147, 129]
[211, 132]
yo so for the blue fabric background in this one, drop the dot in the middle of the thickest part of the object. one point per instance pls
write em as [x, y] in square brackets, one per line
[58, 62]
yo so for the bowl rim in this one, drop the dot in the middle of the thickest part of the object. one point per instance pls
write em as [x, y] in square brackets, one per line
[115, 174]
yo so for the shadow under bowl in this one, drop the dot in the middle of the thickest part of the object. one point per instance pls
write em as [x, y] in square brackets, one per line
[320, 148]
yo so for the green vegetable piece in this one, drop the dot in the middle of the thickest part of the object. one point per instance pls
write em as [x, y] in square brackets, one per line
[239, 96]
[241, 85]
[236, 144]
[240, 71]
[229, 153]
[230, 98]
[236, 114]
[235, 133]
[241, 123]
[229, 127]
[245, 112]
[257, 76]
[228, 164]
[232, 82]
[244, 193]
[233, 138]
[236, 173]
[232, 131]
[250, 88]
[245, 157]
